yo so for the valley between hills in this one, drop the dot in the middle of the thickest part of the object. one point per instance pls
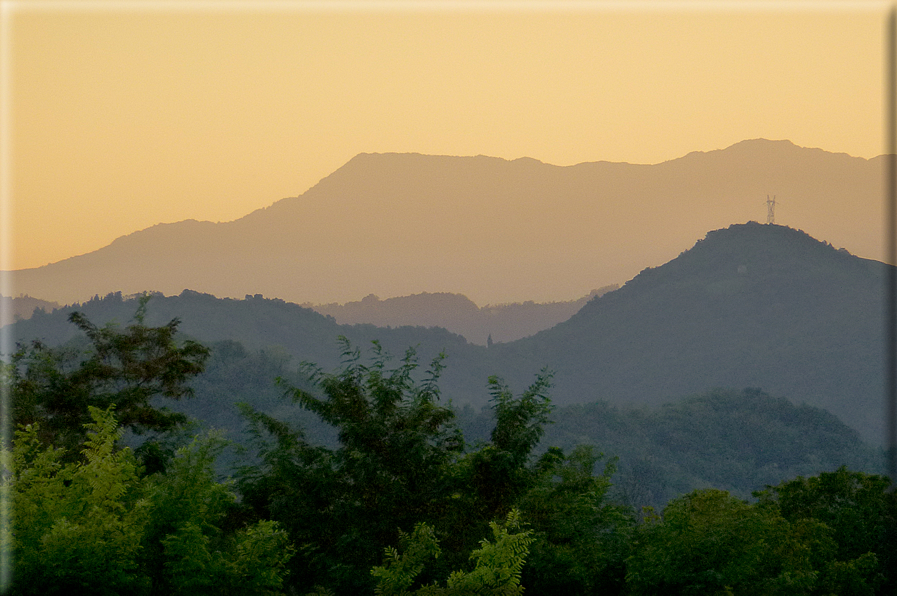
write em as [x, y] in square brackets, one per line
[742, 369]
[760, 347]
[720, 388]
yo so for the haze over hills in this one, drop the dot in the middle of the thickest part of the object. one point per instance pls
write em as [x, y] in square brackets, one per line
[401, 224]
[21, 307]
[458, 314]
[454, 312]
[749, 306]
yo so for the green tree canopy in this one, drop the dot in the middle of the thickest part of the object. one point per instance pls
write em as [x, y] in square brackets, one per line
[95, 526]
[860, 513]
[127, 367]
[400, 462]
[708, 542]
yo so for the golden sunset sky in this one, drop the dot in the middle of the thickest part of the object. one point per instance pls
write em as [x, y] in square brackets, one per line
[121, 115]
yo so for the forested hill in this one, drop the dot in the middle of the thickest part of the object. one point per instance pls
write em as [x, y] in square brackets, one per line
[749, 306]
[257, 323]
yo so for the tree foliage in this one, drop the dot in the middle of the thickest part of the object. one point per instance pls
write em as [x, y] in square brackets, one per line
[498, 471]
[497, 565]
[89, 517]
[94, 525]
[76, 526]
[581, 538]
[342, 506]
[400, 462]
[791, 542]
[709, 542]
[57, 386]
[859, 512]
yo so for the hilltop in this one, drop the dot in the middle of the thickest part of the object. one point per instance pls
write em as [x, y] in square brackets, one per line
[12, 309]
[748, 306]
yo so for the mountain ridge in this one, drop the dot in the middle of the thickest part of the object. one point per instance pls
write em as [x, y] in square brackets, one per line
[751, 305]
[492, 229]
[458, 313]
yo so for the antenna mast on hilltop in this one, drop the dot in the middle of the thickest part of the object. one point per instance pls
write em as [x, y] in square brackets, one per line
[770, 210]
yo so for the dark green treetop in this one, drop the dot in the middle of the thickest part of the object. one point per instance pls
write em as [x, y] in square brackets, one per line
[126, 367]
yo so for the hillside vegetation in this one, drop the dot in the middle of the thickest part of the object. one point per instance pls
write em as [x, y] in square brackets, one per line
[750, 306]
[738, 440]
[403, 502]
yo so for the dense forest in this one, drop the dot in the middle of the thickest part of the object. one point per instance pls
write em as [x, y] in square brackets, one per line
[111, 489]
[738, 440]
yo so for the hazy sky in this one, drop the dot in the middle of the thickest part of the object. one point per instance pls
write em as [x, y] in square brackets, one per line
[117, 116]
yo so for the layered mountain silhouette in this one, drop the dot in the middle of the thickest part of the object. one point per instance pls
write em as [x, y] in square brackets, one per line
[459, 314]
[455, 312]
[491, 229]
[749, 306]
[21, 307]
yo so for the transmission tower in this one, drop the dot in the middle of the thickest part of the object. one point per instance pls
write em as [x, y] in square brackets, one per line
[770, 210]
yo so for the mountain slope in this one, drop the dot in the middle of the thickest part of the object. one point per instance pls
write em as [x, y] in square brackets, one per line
[458, 314]
[749, 306]
[491, 229]
[259, 323]
[13, 309]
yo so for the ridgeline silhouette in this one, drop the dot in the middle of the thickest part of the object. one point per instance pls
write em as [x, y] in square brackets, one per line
[493, 230]
[752, 305]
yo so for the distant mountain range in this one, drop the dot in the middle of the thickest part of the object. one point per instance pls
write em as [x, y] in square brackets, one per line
[455, 312]
[494, 230]
[21, 307]
[459, 314]
[752, 305]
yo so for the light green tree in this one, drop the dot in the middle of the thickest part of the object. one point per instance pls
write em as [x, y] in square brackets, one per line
[94, 525]
[76, 527]
[496, 571]
[185, 547]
